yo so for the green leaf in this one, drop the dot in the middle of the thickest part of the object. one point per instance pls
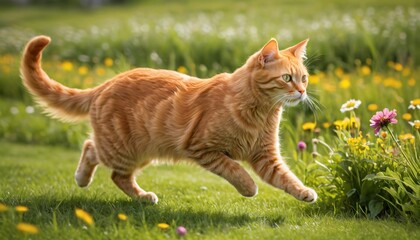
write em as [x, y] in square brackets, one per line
[369, 177]
[375, 207]
[368, 191]
[351, 192]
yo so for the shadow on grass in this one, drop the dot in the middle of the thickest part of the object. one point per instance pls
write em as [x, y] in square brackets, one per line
[47, 210]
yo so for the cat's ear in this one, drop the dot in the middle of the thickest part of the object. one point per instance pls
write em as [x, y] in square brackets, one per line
[299, 50]
[269, 52]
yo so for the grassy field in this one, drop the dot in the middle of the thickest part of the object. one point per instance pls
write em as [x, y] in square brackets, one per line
[364, 50]
[41, 178]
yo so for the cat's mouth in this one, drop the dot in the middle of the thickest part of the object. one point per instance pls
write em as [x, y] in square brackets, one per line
[293, 101]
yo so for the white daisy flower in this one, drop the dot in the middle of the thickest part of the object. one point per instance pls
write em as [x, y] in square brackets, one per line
[414, 104]
[350, 105]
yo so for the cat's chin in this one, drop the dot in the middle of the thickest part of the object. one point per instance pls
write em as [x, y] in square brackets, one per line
[292, 104]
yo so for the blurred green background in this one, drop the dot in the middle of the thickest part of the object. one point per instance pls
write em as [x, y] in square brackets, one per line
[357, 49]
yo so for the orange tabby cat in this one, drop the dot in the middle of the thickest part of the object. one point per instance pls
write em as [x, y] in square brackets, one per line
[146, 114]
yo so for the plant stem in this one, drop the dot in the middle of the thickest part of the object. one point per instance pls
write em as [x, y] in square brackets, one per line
[399, 146]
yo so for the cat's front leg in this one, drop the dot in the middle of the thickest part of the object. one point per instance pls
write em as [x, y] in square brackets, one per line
[273, 170]
[229, 169]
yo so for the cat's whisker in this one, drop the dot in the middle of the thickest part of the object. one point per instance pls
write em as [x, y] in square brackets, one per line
[314, 105]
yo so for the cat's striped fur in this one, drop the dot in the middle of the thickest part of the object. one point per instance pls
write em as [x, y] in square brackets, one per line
[147, 114]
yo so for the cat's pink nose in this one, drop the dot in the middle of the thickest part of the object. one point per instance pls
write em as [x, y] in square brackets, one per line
[301, 91]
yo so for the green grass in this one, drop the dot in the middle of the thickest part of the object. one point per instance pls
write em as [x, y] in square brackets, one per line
[41, 178]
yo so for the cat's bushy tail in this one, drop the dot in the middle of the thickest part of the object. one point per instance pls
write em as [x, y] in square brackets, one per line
[61, 102]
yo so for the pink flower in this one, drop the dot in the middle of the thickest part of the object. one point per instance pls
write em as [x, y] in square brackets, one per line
[181, 231]
[301, 146]
[383, 119]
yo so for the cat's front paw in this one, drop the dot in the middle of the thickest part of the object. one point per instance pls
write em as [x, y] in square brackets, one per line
[149, 197]
[308, 195]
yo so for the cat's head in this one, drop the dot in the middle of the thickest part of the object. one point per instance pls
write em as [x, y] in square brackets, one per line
[281, 75]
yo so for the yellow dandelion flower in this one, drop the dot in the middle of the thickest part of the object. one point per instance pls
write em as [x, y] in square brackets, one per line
[344, 83]
[100, 71]
[411, 82]
[339, 124]
[163, 226]
[122, 216]
[415, 124]
[398, 66]
[326, 124]
[67, 66]
[329, 87]
[358, 144]
[365, 70]
[355, 123]
[415, 103]
[406, 116]
[392, 82]
[309, 126]
[384, 134]
[86, 217]
[372, 107]
[406, 72]
[314, 79]
[83, 70]
[21, 209]
[339, 72]
[407, 137]
[182, 69]
[377, 79]
[3, 207]
[108, 62]
[27, 228]
[87, 82]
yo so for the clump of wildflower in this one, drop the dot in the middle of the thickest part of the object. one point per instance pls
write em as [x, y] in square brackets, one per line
[358, 144]
[301, 145]
[83, 215]
[347, 123]
[382, 119]
[350, 105]
[415, 103]
[27, 228]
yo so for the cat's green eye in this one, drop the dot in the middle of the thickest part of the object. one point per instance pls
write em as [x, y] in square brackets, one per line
[287, 77]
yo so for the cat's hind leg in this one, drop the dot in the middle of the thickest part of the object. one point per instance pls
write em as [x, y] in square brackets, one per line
[232, 171]
[87, 164]
[128, 184]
